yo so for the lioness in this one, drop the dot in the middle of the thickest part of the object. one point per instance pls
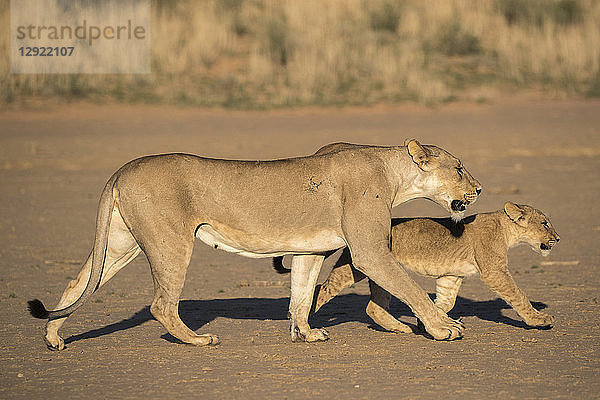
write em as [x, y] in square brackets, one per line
[449, 251]
[340, 196]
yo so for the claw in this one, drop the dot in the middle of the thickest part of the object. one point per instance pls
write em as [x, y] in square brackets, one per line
[298, 336]
[58, 347]
[214, 341]
[317, 335]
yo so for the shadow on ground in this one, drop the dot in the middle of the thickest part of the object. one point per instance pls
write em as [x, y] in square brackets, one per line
[342, 309]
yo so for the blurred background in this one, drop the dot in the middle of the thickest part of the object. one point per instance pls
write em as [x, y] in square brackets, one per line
[260, 54]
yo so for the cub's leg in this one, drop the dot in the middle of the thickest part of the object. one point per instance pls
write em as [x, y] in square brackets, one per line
[377, 309]
[446, 289]
[305, 271]
[501, 282]
[121, 250]
[342, 275]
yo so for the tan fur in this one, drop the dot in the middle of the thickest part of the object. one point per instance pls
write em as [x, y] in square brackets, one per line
[306, 206]
[449, 252]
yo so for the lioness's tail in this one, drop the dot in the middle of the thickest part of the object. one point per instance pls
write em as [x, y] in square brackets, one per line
[279, 267]
[107, 202]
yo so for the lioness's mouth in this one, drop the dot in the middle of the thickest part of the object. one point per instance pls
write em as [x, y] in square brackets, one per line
[458, 205]
[472, 197]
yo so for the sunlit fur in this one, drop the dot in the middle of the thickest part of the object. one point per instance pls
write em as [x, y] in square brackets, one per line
[449, 252]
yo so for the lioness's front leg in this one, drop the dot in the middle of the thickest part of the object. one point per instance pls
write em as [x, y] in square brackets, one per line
[446, 291]
[305, 271]
[391, 276]
[368, 237]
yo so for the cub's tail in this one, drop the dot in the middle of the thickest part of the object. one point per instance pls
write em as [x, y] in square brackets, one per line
[279, 267]
[107, 202]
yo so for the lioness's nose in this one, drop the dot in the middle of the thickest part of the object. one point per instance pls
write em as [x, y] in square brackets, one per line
[557, 239]
[478, 190]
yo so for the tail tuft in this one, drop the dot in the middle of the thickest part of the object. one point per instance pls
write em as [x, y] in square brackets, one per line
[36, 308]
[279, 267]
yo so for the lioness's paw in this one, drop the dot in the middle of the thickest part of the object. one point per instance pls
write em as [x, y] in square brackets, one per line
[541, 320]
[446, 329]
[317, 335]
[54, 343]
[313, 335]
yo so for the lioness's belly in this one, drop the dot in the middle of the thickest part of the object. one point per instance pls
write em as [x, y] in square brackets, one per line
[262, 246]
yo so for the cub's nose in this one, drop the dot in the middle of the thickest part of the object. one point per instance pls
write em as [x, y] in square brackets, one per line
[478, 190]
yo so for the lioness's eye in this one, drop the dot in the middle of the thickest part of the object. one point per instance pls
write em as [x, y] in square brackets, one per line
[545, 223]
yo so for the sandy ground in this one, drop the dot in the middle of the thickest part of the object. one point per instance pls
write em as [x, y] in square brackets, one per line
[54, 163]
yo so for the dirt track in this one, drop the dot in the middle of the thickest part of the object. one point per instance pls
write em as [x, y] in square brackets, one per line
[53, 165]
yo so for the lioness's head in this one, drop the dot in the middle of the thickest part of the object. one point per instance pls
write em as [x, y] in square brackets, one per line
[443, 178]
[532, 227]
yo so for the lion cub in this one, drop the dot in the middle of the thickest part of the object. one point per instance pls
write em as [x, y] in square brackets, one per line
[449, 251]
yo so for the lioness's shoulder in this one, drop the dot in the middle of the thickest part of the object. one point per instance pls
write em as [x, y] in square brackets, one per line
[357, 163]
[344, 146]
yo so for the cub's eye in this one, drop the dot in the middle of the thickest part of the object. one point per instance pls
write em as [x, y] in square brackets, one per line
[460, 171]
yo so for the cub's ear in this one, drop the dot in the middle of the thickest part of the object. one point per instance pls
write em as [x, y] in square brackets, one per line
[424, 158]
[515, 213]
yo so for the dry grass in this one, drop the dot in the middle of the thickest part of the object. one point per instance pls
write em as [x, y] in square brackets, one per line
[260, 53]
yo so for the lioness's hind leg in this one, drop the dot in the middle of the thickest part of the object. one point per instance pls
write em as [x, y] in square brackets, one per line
[71, 293]
[377, 309]
[305, 271]
[168, 264]
[342, 275]
[121, 250]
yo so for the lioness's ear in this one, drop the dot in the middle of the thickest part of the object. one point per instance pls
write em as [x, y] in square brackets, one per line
[515, 213]
[421, 156]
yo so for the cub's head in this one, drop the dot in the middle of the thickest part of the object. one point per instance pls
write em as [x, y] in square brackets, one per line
[443, 179]
[532, 227]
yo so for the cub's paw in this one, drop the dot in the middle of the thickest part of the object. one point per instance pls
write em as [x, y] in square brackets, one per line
[541, 320]
[400, 328]
[204, 340]
[385, 320]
